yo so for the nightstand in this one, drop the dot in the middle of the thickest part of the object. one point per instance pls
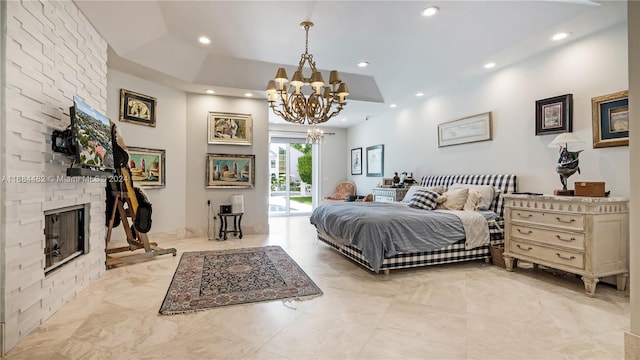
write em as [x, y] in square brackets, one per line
[389, 194]
[587, 236]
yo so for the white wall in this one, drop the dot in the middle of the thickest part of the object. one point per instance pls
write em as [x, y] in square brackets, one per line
[169, 134]
[584, 68]
[255, 219]
[632, 339]
[3, 116]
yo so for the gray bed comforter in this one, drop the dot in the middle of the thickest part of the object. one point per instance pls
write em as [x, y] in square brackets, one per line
[382, 230]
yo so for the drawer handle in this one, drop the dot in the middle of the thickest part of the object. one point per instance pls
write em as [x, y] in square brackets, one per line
[565, 258]
[567, 240]
[528, 215]
[521, 248]
[565, 221]
[525, 233]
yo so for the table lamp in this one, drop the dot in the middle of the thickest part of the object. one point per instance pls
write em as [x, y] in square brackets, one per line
[570, 148]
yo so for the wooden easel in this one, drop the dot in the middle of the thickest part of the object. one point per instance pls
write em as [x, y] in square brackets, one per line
[124, 194]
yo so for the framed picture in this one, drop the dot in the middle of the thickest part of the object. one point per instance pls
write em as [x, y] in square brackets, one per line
[230, 129]
[554, 115]
[387, 182]
[230, 171]
[470, 129]
[375, 160]
[147, 167]
[610, 117]
[356, 161]
[137, 108]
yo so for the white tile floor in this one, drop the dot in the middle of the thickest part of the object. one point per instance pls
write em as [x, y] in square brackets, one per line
[458, 311]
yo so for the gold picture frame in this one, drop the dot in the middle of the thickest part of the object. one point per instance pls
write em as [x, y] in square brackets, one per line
[138, 108]
[147, 166]
[229, 171]
[610, 120]
[229, 129]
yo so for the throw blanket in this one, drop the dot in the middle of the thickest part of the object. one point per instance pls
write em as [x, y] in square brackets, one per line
[382, 230]
[475, 226]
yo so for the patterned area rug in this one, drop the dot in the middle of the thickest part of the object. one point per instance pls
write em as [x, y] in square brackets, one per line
[208, 279]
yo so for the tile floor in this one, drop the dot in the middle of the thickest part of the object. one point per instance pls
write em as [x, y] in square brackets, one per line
[458, 311]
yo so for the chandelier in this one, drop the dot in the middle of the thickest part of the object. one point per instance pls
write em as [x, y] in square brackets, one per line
[319, 106]
[315, 135]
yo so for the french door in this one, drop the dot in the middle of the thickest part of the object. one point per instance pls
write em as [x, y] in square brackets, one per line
[290, 169]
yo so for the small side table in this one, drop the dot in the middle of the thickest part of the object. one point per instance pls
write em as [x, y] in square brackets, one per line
[237, 220]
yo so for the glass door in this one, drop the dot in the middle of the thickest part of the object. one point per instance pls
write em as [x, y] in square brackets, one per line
[290, 170]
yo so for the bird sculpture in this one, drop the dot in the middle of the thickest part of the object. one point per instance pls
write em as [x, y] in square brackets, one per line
[567, 165]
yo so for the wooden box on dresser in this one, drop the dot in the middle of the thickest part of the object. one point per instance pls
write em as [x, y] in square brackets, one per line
[588, 236]
[389, 194]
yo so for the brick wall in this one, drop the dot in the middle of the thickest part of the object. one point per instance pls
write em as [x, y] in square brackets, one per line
[52, 54]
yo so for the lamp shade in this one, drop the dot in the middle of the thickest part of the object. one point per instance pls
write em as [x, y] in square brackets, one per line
[568, 139]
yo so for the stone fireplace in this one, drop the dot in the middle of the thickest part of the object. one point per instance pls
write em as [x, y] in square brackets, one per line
[65, 57]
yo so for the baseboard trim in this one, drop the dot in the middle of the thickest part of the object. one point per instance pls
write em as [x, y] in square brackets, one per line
[2, 340]
[631, 346]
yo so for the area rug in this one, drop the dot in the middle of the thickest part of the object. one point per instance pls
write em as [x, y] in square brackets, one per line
[209, 279]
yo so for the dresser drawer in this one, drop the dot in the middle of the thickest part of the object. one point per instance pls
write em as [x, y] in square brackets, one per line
[567, 221]
[549, 236]
[548, 254]
[383, 198]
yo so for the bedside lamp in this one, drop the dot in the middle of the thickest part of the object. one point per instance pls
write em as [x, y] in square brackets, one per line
[570, 148]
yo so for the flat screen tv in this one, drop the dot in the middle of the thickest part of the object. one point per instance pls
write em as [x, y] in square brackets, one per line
[92, 133]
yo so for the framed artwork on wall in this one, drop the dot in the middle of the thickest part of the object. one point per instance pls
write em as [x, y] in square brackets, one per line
[230, 171]
[147, 167]
[138, 108]
[229, 128]
[375, 160]
[470, 129]
[356, 161]
[610, 118]
[554, 115]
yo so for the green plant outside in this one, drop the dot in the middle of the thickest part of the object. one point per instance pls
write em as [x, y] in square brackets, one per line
[302, 199]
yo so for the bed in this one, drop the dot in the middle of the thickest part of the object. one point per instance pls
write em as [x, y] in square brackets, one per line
[388, 245]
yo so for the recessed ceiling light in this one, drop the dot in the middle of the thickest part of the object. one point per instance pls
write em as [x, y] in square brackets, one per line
[430, 11]
[209, 91]
[363, 63]
[418, 94]
[204, 40]
[248, 94]
[393, 105]
[489, 65]
[560, 36]
[344, 119]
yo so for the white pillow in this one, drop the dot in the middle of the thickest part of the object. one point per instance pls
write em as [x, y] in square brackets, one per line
[488, 193]
[454, 199]
[473, 199]
[412, 190]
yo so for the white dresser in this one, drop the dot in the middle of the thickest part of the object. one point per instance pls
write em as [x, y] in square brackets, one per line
[389, 194]
[588, 236]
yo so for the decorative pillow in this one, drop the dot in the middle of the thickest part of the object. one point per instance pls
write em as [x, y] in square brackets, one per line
[455, 199]
[488, 193]
[473, 199]
[409, 195]
[424, 199]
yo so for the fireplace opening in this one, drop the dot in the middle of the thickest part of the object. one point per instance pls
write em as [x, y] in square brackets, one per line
[65, 236]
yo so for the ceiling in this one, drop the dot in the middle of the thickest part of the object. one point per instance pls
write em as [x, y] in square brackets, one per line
[407, 53]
